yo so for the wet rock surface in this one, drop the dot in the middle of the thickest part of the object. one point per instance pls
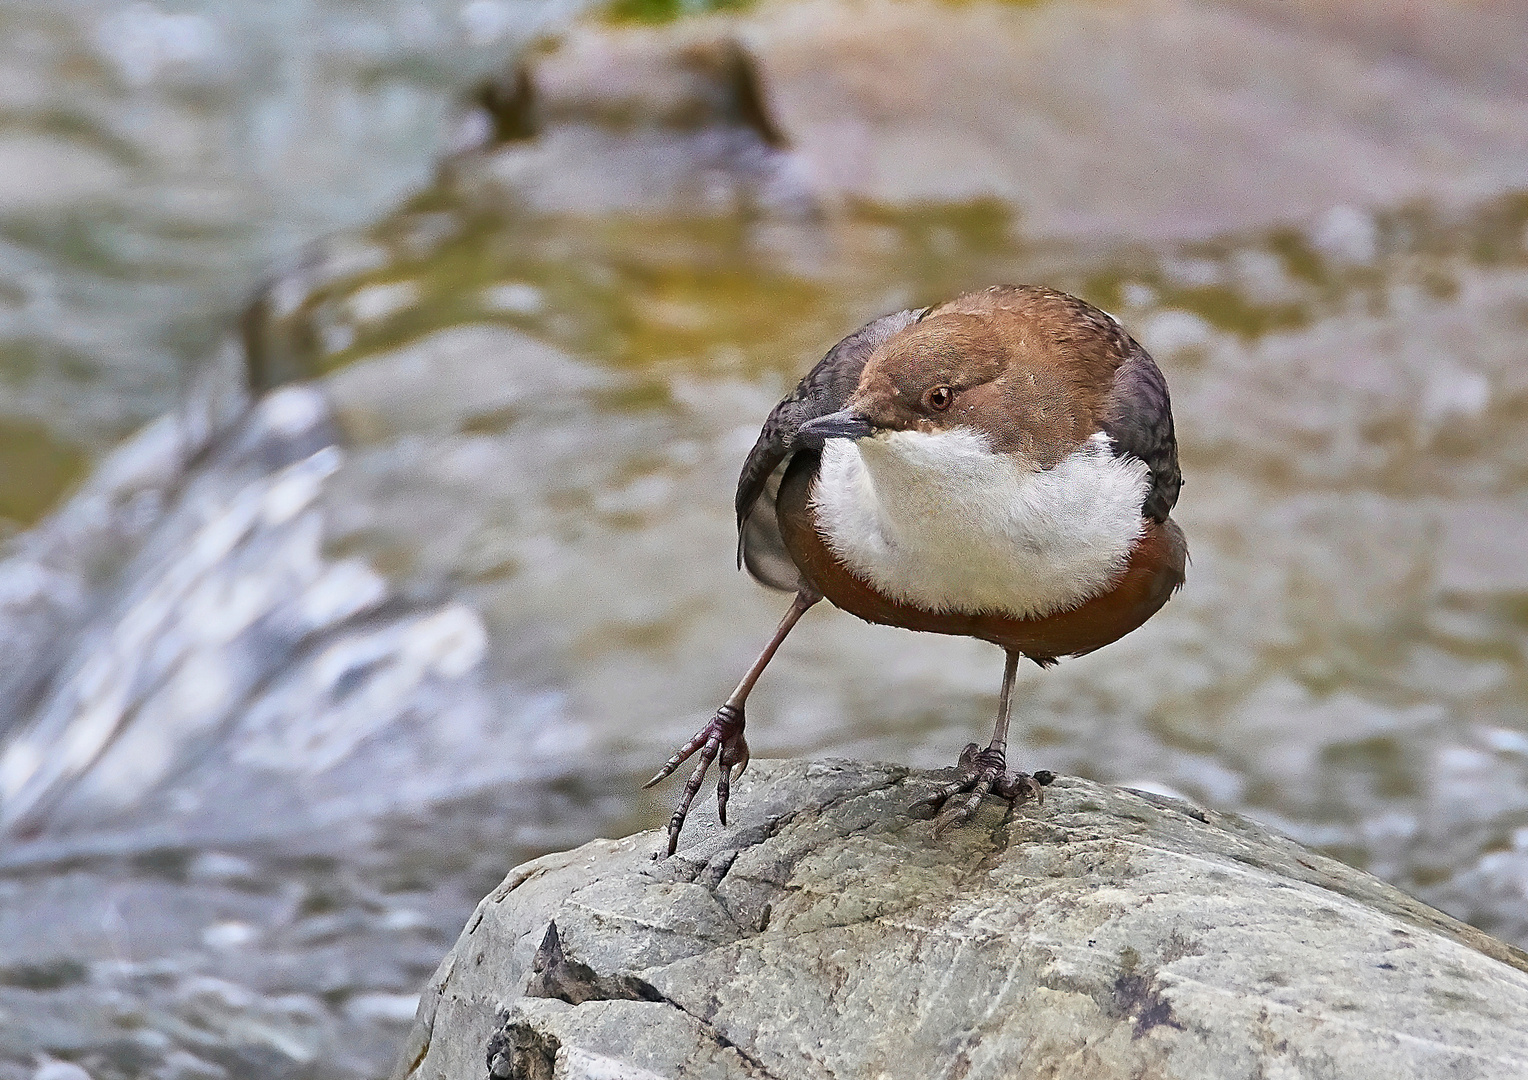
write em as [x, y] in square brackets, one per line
[1107, 933]
[1146, 120]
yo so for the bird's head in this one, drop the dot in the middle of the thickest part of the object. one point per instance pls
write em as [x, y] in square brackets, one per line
[1018, 370]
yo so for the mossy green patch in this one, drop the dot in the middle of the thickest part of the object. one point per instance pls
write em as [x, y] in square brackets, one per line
[662, 11]
[35, 470]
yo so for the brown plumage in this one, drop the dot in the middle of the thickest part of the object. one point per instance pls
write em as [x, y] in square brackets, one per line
[1002, 467]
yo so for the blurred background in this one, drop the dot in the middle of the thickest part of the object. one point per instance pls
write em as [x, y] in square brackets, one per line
[374, 378]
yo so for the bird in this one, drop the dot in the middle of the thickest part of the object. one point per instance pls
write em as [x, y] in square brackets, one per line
[1001, 466]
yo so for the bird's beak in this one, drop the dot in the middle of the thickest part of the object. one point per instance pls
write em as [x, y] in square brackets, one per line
[844, 424]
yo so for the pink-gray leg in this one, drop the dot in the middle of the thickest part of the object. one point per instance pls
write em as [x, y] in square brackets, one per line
[723, 735]
[985, 772]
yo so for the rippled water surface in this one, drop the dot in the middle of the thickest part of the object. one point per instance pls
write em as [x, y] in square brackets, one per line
[299, 677]
[156, 158]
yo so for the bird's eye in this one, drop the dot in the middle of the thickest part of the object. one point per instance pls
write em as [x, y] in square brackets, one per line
[939, 398]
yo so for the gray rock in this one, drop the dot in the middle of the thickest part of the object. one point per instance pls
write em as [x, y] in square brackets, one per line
[1139, 119]
[828, 932]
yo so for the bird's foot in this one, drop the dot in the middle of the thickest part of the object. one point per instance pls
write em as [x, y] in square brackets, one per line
[982, 773]
[722, 738]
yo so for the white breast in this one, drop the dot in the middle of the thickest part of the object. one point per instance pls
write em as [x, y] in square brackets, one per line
[942, 522]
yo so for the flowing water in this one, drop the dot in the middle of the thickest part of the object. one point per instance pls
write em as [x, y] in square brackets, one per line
[296, 680]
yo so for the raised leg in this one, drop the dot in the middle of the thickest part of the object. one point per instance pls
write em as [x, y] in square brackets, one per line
[723, 736]
[985, 772]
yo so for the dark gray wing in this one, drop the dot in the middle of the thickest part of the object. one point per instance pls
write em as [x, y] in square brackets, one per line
[824, 390]
[1138, 416]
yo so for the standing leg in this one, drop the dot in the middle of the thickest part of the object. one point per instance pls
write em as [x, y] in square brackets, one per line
[724, 734]
[984, 772]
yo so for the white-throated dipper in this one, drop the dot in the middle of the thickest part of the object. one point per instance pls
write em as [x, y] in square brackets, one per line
[1000, 466]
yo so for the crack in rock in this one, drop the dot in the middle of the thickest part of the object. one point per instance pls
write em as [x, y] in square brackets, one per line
[517, 1051]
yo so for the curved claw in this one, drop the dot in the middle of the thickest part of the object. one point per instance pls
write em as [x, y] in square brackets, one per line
[982, 773]
[691, 787]
[954, 787]
[680, 757]
[723, 793]
[1022, 786]
[734, 755]
[723, 737]
[742, 762]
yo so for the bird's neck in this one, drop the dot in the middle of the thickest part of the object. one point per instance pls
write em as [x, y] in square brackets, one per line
[941, 521]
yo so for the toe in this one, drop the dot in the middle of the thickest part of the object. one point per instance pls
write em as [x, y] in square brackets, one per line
[961, 812]
[941, 795]
[725, 776]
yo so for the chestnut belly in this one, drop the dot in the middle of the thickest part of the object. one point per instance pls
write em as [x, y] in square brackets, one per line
[1154, 572]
